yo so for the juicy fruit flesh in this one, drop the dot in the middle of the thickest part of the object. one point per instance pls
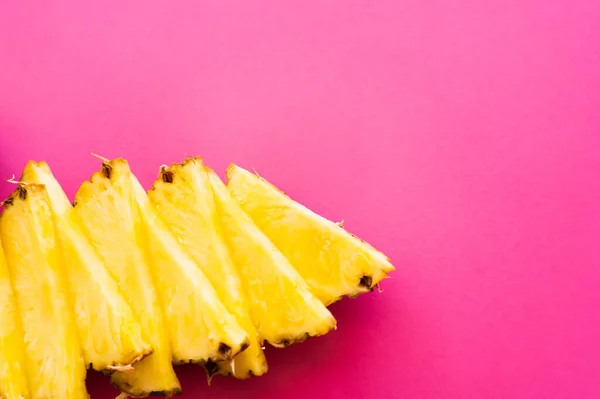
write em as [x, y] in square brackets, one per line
[108, 216]
[54, 362]
[282, 307]
[186, 276]
[13, 383]
[183, 198]
[333, 262]
[110, 334]
[200, 327]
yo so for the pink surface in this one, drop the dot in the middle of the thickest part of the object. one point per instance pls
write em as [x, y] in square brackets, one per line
[461, 138]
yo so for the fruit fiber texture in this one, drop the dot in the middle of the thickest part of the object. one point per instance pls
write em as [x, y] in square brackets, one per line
[110, 334]
[130, 282]
[110, 218]
[54, 361]
[13, 383]
[184, 199]
[333, 262]
[200, 327]
[282, 306]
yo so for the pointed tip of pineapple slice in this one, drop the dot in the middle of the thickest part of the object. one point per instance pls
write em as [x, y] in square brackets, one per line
[36, 165]
[345, 264]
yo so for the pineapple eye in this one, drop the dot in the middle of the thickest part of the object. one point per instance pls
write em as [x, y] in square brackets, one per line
[22, 193]
[167, 176]
[366, 281]
[106, 170]
[225, 350]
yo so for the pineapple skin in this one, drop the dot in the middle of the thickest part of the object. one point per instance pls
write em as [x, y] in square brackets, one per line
[107, 214]
[200, 327]
[333, 262]
[110, 334]
[54, 362]
[283, 308]
[13, 383]
[183, 197]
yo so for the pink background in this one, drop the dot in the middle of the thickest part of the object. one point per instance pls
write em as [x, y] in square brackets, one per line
[459, 137]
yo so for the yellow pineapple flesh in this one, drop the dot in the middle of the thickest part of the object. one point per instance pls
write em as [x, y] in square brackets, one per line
[200, 327]
[13, 383]
[109, 217]
[110, 334]
[283, 309]
[185, 201]
[54, 362]
[333, 262]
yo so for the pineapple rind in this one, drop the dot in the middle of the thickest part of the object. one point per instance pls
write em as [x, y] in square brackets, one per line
[333, 262]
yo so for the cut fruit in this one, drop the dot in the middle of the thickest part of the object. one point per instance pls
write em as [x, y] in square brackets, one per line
[13, 383]
[110, 334]
[333, 262]
[282, 307]
[110, 219]
[54, 361]
[185, 202]
[200, 328]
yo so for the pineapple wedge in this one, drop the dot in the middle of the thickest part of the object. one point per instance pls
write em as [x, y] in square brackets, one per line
[110, 334]
[199, 326]
[13, 383]
[192, 216]
[109, 217]
[333, 262]
[281, 306]
[54, 361]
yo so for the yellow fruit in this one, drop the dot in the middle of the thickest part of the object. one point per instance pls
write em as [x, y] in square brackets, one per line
[200, 327]
[110, 334]
[54, 361]
[110, 219]
[282, 307]
[13, 383]
[184, 200]
[333, 262]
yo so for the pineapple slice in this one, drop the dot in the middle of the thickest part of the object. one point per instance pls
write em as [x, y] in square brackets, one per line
[54, 362]
[13, 383]
[333, 262]
[111, 336]
[200, 328]
[281, 305]
[192, 216]
[109, 217]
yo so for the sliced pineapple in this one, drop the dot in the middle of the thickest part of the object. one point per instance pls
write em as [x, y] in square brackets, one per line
[111, 336]
[200, 328]
[54, 361]
[185, 201]
[282, 307]
[13, 383]
[109, 217]
[333, 262]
